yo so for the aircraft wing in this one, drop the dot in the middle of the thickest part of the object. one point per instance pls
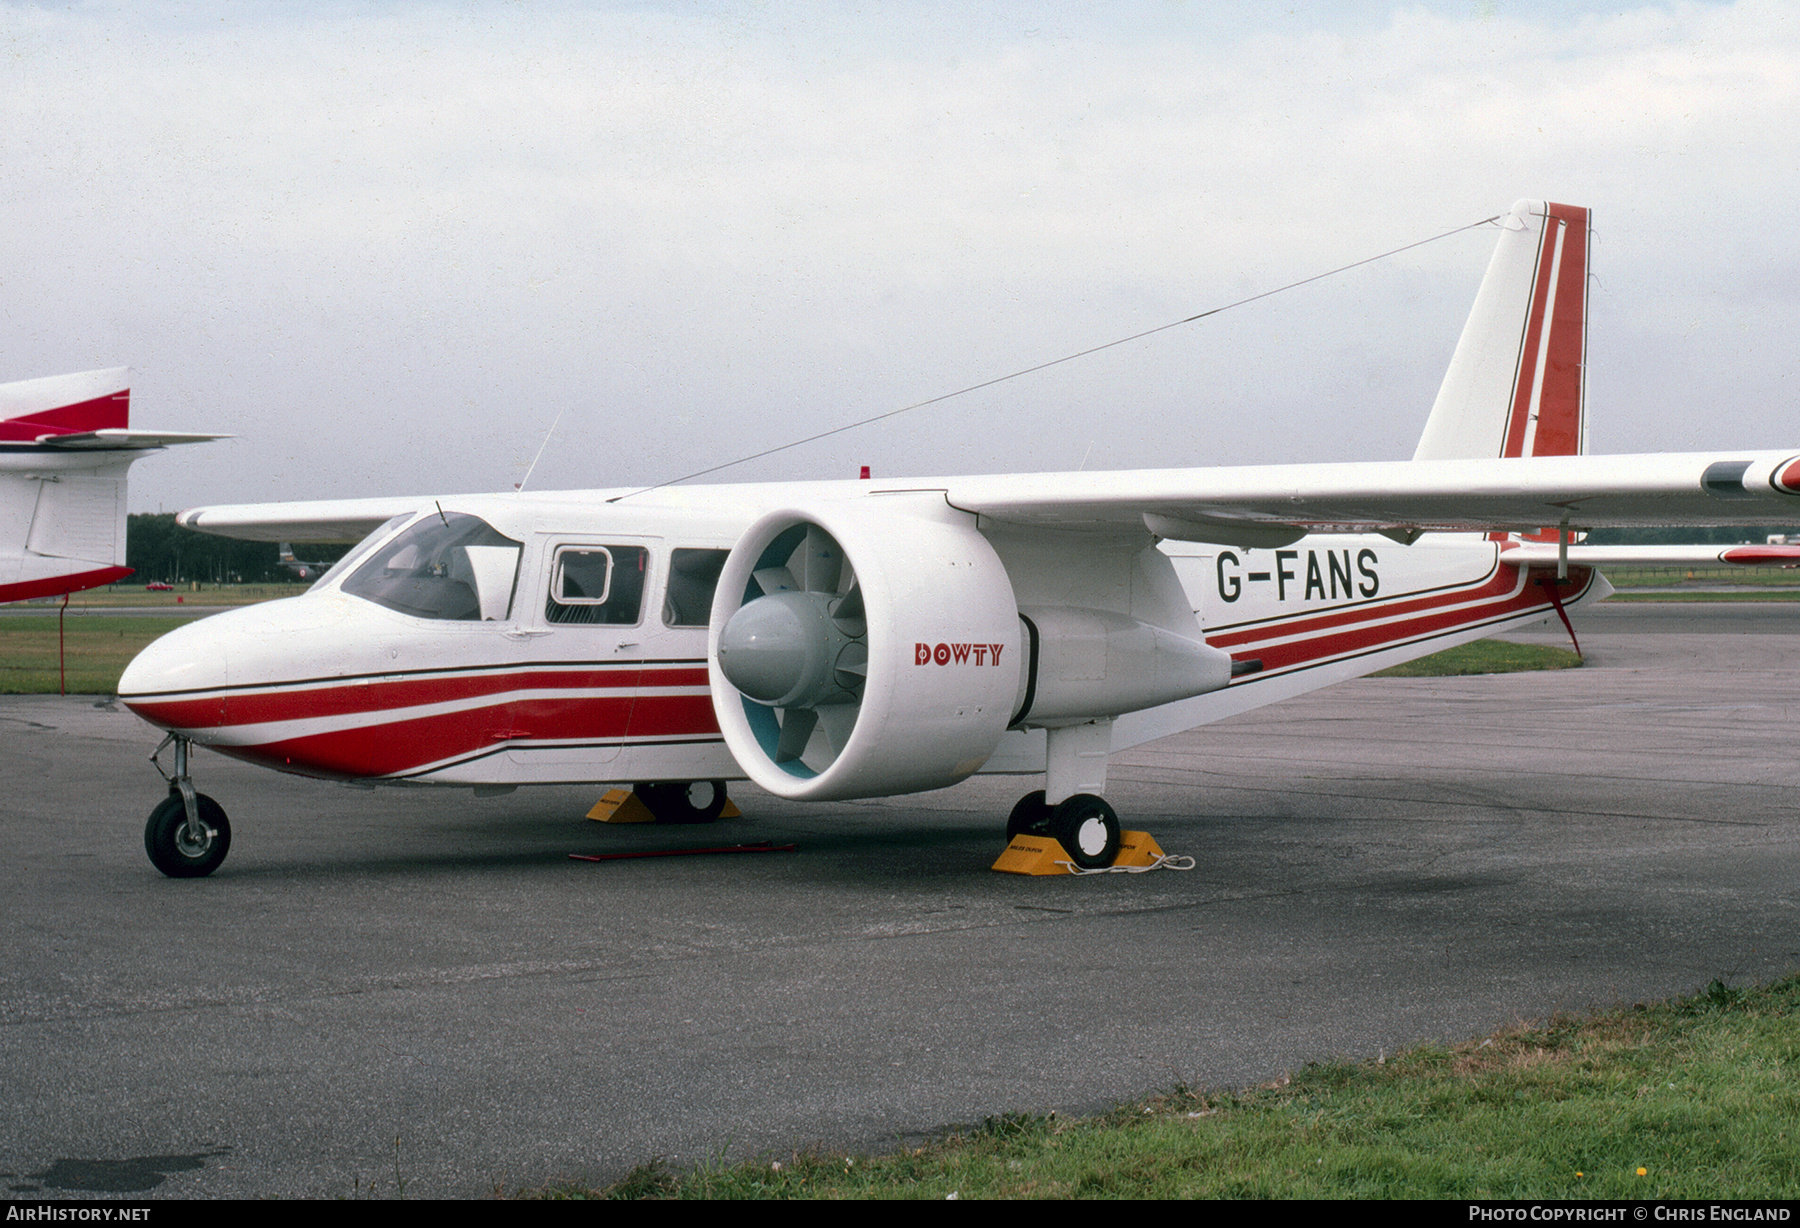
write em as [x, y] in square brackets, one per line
[319, 520]
[1269, 505]
[1253, 506]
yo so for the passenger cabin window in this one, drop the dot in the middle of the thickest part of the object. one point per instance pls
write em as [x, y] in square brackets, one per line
[453, 567]
[693, 575]
[597, 585]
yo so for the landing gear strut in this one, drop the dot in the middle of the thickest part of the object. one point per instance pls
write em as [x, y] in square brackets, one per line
[187, 835]
[1079, 820]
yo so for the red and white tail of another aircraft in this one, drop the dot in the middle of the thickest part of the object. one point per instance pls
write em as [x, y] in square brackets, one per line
[65, 445]
[846, 639]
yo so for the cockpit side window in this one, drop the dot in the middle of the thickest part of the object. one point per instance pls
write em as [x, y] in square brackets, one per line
[597, 585]
[693, 575]
[452, 567]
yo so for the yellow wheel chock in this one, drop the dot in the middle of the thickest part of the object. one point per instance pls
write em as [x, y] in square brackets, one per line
[1043, 855]
[624, 806]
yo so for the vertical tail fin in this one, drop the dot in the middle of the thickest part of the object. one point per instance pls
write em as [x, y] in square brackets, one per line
[65, 445]
[65, 405]
[62, 514]
[1516, 383]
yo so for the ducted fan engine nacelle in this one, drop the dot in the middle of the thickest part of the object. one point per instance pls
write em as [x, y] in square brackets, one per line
[863, 649]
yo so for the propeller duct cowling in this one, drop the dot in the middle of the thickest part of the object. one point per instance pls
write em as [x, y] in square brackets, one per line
[863, 649]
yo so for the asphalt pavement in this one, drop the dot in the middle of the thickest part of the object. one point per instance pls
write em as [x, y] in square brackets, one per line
[416, 991]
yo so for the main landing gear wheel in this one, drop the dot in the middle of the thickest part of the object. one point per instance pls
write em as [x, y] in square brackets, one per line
[177, 853]
[1087, 829]
[698, 801]
[1031, 817]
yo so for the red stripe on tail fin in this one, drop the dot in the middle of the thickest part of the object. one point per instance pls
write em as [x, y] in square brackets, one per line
[1546, 416]
[1514, 385]
[65, 405]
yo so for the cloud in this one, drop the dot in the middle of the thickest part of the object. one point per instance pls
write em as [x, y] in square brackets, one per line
[387, 246]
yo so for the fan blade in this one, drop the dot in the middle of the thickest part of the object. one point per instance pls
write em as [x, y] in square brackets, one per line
[776, 580]
[839, 721]
[822, 562]
[850, 609]
[796, 731]
[852, 667]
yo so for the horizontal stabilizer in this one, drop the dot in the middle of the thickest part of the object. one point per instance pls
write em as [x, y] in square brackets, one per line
[1540, 554]
[119, 439]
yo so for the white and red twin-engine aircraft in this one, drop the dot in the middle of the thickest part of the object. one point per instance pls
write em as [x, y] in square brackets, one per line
[65, 445]
[854, 639]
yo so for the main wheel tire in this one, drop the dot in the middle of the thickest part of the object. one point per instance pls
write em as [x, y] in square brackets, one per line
[1087, 829]
[165, 838]
[1030, 817]
[696, 801]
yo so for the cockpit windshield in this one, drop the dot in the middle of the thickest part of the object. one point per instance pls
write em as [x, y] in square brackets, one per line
[356, 552]
[449, 566]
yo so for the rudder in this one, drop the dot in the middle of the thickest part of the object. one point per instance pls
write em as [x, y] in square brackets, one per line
[1517, 381]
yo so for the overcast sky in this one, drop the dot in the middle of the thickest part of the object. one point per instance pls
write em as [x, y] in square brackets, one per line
[386, 245]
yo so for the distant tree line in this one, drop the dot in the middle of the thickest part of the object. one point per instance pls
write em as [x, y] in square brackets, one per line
[159, 549]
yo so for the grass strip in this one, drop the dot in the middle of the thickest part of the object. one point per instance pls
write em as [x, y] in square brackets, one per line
[1484, 657]
[96, 651]
[1760, 595]
[1691, 1099]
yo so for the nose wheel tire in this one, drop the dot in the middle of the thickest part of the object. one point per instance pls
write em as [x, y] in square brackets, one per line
[179, 855]
[1087, 829]
[697, 801]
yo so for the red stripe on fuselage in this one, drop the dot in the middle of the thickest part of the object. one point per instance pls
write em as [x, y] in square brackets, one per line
[409, 744]
[1504, 596]
[286, 702]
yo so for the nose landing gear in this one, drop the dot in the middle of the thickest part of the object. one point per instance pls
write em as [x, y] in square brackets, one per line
[187, 835]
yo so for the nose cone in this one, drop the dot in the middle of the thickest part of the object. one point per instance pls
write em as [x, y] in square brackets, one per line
[189, 658]
[772, 647]
[785, 650]
[184, 680]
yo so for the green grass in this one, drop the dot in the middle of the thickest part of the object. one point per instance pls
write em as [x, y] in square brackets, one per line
[1766, 595]
[98, 647]
[97, 650]
[1655, 577]
[1697, 1098]
[1484, 657]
